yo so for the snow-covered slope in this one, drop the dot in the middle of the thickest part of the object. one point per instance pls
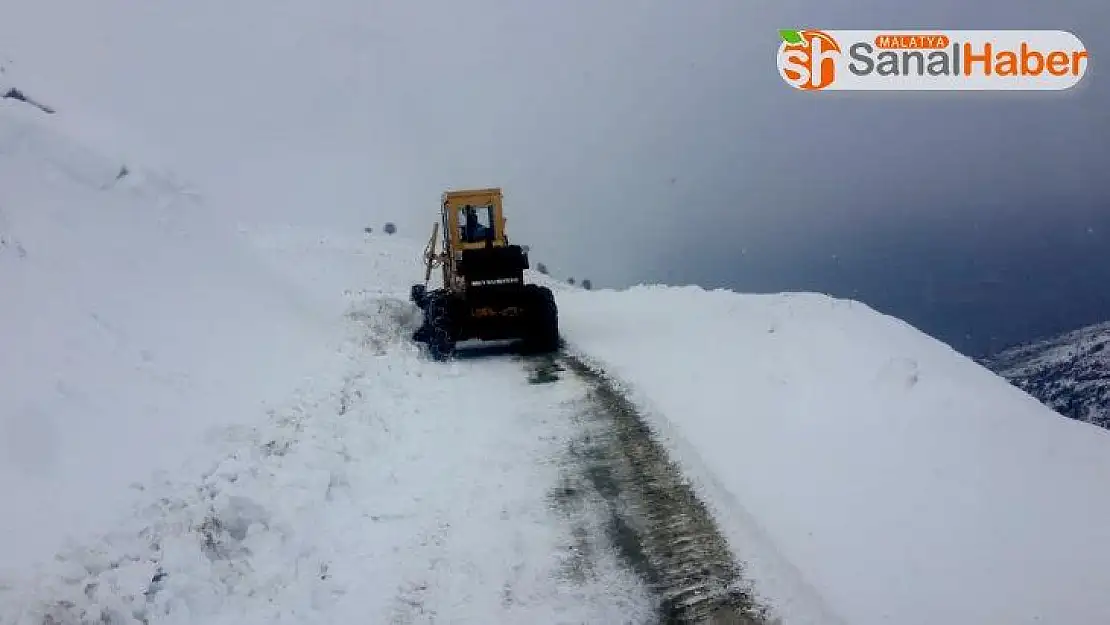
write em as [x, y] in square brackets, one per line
[295, 458]
[133, 321]
[1070, 373]
[319, 470]
[864, 472]
[855, 461]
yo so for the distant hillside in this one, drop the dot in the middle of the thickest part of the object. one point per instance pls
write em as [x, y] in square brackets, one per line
[1070, 373]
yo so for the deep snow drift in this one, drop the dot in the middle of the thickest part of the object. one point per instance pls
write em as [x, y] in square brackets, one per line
[849, 454]
[132, 321]
[317, 469]
[371, 484]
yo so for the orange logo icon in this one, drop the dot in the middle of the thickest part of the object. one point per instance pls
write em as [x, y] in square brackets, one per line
[807, 58]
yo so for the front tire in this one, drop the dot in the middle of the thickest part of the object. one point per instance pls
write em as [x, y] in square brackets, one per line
[419, 295]
[441, 329]
[542, 327]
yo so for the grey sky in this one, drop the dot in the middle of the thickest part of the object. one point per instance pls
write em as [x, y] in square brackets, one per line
[636, 141]
[654, 142]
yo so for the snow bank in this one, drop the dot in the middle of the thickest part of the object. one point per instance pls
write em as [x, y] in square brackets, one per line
[133, 322]
[899, 480]
[370, 494]
[330, 268]
[370, 498]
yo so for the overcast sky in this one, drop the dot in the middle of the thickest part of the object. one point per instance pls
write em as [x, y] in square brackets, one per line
[636, 141]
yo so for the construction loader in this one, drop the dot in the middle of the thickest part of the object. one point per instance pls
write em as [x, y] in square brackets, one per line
[483, 295]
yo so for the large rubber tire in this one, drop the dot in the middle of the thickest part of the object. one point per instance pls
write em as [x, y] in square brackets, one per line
[418, 295]
[441, 329]
[542, 328]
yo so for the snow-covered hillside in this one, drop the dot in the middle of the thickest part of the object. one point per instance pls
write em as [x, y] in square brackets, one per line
[205, 419]
[1070, 373]
[863, 472]
[853, 457]
[132, 321]
[218, 426]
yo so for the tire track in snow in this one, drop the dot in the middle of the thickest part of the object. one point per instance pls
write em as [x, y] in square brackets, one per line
[410, 491]
[655, 520]
[392, 490]
[487, 545]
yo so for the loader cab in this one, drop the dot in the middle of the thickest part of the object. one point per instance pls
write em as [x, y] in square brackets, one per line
[479, 252]
[473, 219]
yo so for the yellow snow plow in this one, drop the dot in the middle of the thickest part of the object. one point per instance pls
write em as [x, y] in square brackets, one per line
[483, 295]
